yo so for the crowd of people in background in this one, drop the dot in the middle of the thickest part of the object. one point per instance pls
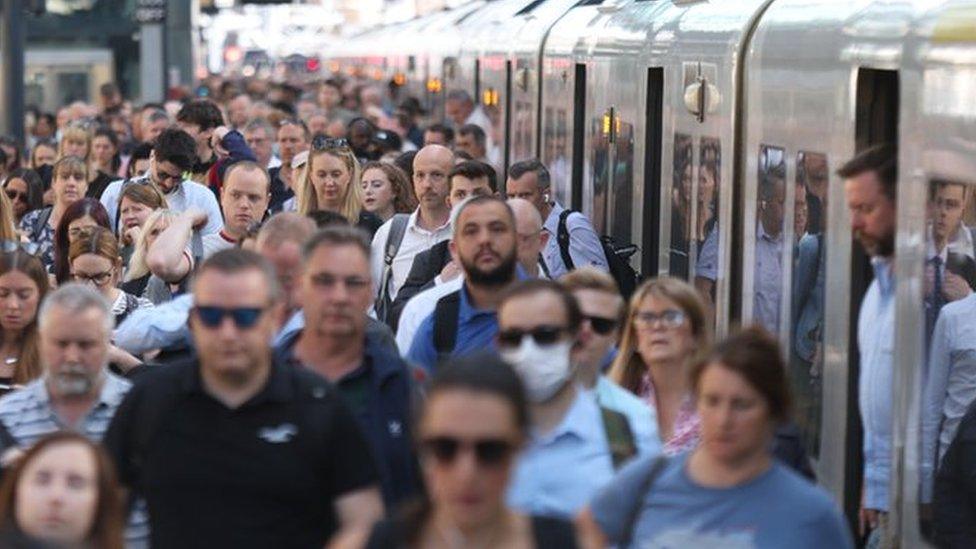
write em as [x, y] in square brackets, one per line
[283, 316]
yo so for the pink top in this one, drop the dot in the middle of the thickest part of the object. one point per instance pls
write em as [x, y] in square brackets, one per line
[687, 425]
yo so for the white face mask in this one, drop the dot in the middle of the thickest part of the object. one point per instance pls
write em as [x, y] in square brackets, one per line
[544, 369]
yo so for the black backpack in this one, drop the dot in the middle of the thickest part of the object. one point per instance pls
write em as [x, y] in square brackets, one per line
[618, 256]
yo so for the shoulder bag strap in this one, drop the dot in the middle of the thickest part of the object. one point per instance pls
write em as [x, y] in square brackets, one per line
[446, 323]
[562, 238]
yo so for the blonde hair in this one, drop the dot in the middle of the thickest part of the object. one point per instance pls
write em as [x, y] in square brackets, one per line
[8, 230]
[137, 264]
[75, 133]
[628, 368]
[352, 202]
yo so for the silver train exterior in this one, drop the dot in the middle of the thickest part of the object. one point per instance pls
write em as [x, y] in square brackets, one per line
[650, 112]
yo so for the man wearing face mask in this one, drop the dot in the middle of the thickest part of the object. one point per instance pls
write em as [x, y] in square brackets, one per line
[570, 454]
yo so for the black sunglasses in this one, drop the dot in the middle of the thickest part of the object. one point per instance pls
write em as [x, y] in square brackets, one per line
[11, 246]
[321, 142]
[602, 326]
[488, 452]
[14, 195]
[543, 335]
[243, 317]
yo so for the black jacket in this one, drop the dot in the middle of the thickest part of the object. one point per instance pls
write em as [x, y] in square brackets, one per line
[426, 266]
[954, 493]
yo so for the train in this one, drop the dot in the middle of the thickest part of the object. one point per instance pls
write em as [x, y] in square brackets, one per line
[697, 129]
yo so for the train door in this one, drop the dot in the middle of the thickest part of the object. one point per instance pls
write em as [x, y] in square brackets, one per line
[653, 148]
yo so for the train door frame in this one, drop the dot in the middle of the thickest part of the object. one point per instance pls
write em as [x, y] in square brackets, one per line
[653, 151]
[579, 136]
[507, 130]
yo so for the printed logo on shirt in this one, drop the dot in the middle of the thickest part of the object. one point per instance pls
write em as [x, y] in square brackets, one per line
[395, 427]
[278, 435]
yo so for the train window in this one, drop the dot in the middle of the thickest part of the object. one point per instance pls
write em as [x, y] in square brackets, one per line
[807, 305]
[621, 176]
[600, 161]
[681, 206]
[705, 228]
[770, 216]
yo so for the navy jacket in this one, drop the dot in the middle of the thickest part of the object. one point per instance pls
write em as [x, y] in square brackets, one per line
[386, 420]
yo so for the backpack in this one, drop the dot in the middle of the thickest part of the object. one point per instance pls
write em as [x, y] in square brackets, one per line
[618, 256]
[384, 303]
[620, 437]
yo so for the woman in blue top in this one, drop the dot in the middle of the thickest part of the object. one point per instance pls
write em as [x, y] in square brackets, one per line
[728, 492]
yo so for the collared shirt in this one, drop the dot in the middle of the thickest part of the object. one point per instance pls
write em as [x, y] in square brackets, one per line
[641, 417]
[960, 243]
[186, 195]
[559, 472]
[875, 338]
[951, 384]
[686, 431]
[476, 329]
[419, 308]
[415, 240]
[707, 265]
[768, 289]
[584, 244]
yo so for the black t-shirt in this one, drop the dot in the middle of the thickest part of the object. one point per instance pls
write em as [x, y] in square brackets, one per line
[265, 474]
[97, 186]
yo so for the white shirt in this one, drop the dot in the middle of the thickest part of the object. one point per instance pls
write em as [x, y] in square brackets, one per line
[415, 240]
[420, 307]
[274, 162]
[188, 194]
[215, 242]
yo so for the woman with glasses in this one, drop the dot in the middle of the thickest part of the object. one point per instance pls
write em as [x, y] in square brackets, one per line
[84, 214]
[94, 259]
[136, 204]
[25, 191]
[472, 426]
[386, 190]
[23, 285]
[332, 182]
[665, 328]
[62, 493]
[69, 184]
[729, 491]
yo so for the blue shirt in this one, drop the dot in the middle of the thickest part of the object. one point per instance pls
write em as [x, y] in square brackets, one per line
[875, 338]
[776, 509]
[186, 195]
[476, 329]
[584, 244]
[559, 472]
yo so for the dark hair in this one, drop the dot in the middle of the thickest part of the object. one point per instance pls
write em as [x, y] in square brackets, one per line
[442, 129]
[327, 218]
[177, 147]
[459, 95]
[460, 155]
[140, 152]
[337, 235]
[35, 187]
[114, 140]
[525, 288]
[880, 159]
[237, 260]
[108, 520]
[29, 360]
[405, 163]
[202, 112]
[474, 130]
[11, 142]
[522, 167]
[473, 169]
[80, 208]
[157, 115]
[754, 354]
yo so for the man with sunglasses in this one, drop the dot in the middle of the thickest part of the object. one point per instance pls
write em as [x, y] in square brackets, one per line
[569, 455]
[335, 292]
[173, 155]
[233, 426]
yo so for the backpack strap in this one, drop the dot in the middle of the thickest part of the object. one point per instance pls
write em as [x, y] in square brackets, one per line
[620, 437]
[562, 238]
[398, 227]
[446, 323]
[653, 471]
[41, 220]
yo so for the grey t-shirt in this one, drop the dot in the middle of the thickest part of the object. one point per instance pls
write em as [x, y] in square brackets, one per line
[777, 509]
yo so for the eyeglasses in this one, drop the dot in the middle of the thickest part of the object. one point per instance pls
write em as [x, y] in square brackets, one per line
[11, 246]
[324, 280]
[98, 279]
[543, 335]
[14, 195]
[321, 142]
[600, 325]
[669, 318]
[243, 317]
[488, 452]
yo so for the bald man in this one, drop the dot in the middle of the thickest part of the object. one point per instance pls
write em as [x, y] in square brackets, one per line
[531, 238]
[402, 237]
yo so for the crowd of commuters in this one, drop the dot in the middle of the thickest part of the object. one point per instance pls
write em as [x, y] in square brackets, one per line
[286, 319]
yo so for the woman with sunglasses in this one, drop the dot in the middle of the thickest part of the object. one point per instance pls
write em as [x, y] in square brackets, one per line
[94, 259]
[386, 190]
[729, 491]
[331, 181]
[136, 204]
[25, 190]
[84, 214]
[23, 285]
[471, 427]
[665, 328]
[69, 184]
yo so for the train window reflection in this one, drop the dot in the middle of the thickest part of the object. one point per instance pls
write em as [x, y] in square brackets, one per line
[706, 225]
[807, 309]
[948, 417]
[600, 168]
[621, 182]
[681, 205]
[770, 210]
